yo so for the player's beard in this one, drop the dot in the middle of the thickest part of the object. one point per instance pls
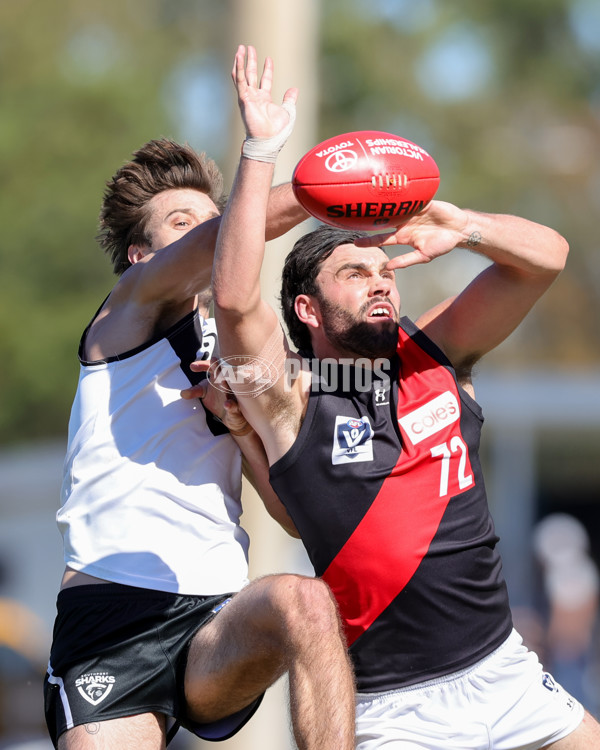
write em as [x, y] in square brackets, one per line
[351, 333]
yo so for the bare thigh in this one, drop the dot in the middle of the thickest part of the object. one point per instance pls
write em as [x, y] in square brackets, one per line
[130, 733]
[585, 737]
[245, 648]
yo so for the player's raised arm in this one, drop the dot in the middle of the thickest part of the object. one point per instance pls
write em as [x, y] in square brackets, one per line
[240, 245]
[526, 258]
[248, 326]
[183, 268]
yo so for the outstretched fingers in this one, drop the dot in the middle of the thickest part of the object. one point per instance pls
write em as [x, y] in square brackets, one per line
[245, 70]
[262, 118]
[405, 260]
[266, 80]
[251, 67]
[238, 73]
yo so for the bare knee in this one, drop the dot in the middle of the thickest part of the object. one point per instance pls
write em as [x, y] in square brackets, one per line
[306, 607]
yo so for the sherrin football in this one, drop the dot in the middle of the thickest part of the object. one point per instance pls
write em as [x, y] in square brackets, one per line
[365, 180]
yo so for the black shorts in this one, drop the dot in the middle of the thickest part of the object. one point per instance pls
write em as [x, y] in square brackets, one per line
[119, 651]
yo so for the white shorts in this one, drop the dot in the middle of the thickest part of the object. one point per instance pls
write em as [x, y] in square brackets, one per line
[505, 702]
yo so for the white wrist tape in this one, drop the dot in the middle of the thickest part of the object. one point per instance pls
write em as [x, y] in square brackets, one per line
[266, 149]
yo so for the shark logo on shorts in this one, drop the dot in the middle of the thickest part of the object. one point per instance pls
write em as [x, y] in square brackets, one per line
[95, 686]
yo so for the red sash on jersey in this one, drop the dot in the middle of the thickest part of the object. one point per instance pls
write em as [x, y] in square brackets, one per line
[386, 548]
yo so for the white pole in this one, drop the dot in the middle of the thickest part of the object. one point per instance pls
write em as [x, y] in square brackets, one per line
[286, 31]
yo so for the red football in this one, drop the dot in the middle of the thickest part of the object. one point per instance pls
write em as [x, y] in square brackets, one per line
[365, 180]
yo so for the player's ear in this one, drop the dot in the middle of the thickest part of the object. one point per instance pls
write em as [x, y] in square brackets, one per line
[136, 252]
[307, 310]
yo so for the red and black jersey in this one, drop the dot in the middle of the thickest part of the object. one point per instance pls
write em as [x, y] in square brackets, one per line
[384, 485]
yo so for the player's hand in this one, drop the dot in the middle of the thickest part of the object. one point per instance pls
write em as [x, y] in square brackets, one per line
[223, 404]
[433, 232]
[262, 117]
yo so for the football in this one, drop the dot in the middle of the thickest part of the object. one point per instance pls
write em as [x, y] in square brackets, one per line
[365, 180]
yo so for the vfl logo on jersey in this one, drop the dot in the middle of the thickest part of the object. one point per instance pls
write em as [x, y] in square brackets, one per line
[95, 686]
[434, 416]
[548, 682]
[352, 440]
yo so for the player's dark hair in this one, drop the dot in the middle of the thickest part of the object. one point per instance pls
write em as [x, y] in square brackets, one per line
[300, 272]
[157, 166]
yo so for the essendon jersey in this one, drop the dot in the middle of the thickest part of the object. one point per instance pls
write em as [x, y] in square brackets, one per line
[385, 487]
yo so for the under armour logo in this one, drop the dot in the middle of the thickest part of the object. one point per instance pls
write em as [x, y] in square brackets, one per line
[379, 394]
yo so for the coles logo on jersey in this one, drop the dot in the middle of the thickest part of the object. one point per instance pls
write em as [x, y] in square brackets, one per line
[352, 440]
[95, 686]
[430, 418]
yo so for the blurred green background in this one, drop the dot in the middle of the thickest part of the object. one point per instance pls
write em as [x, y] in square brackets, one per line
[504, 93]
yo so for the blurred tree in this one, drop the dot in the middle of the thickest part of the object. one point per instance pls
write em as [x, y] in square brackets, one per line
[504, 94]
[82, 86]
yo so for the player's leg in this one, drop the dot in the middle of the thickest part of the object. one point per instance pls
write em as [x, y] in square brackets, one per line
[110, 681]
[276, 624]
[585, 737]
[130, 733]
